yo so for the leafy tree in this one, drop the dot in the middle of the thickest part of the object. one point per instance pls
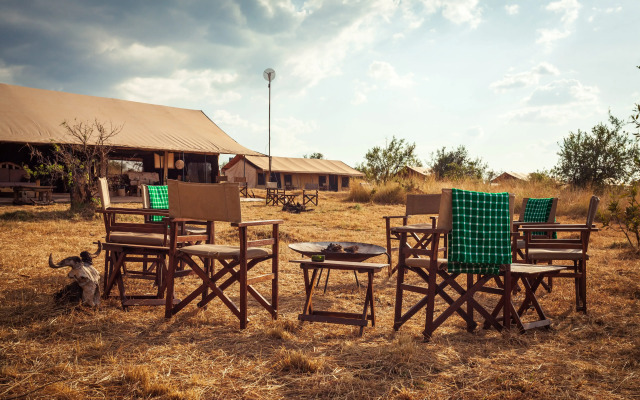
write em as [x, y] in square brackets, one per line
[635, 117]
[317, 156]
[457, 164]
[625, 217]
[80, 163]
[381, 164]
[606, 155]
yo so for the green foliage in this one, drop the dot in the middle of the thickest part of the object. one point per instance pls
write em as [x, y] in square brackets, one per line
[606, 155]
[543, 177]
[625, 218]
[317, 156]
[635, 117]
[457, 164]
[381, 164]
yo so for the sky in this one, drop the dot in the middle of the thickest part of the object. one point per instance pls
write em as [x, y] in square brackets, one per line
[506, 79]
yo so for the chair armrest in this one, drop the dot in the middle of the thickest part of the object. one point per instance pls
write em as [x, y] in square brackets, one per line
[416, 229]
[257, 223]
[136, 211]
[395, 216]
[557, 228]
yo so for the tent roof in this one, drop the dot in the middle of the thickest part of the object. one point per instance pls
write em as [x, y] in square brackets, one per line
[420, 170]
[298, 165]
[511, 175]
[34, 116]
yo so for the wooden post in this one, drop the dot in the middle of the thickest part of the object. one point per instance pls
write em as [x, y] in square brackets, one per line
[165, 165]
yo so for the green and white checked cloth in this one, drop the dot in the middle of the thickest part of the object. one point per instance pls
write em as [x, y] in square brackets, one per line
[158, 199]
[480, 240]
[537, 210]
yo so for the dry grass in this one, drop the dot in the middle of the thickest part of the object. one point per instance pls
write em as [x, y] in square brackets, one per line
[77, 353]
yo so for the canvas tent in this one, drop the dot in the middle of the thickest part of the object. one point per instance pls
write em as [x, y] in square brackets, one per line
[292, 172]
[510, 176]
[412, 171]
[34, 116]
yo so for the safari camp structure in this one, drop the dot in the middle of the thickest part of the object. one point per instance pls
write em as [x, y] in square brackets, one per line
[291, 173]
[155, 137]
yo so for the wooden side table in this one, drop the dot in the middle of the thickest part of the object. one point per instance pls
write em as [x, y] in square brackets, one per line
[338, 317]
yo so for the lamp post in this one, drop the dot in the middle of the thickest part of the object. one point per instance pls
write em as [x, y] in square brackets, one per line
[269, 74]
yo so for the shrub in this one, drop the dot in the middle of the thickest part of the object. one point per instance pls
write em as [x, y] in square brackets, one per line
[389, 193]
[625, 217]
[360, 192]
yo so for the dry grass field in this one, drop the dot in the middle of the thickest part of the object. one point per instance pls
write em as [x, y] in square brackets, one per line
[70, 352]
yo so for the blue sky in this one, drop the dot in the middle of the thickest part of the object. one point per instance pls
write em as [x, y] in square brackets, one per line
[507, 79]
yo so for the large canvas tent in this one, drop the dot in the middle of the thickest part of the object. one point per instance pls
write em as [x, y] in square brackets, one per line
[34, 116]
[291, 172]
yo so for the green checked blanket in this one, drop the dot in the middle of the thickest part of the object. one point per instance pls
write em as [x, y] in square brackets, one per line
[158, 199]
[480, 240]
[537, 210]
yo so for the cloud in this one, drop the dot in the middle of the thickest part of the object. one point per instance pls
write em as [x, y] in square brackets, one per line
[569, 9]
[8, 73]
[462, 11]
[384, 72]
[512, 9]
[457, 11]
[524, 79]
[557, 102]
[193, 87]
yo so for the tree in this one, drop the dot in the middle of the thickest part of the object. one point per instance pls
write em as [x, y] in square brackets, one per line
[81, 162]
[381, 164]
[635, 117]
[317, 156]
[457, 164]
[606, 155]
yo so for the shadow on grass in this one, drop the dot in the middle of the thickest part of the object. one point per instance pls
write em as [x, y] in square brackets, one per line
[40, 215]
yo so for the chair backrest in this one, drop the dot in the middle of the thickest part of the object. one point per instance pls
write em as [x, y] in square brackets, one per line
[204, 201]
[103, 191]
[593, 207]
[469, 249]
[550, 217]
[145, 196]
[423, 204]
[445, 215]
[311, 186]
[221, 178]
[271, 185]
[239, 179]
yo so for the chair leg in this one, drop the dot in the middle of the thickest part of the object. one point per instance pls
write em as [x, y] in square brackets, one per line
[583, 286]
[429, 325]
[399, 291]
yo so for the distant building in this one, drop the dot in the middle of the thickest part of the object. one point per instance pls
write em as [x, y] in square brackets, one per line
[510, 177]
[291, 172]
[410, 171]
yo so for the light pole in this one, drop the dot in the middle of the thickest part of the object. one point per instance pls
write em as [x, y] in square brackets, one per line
[269, 74]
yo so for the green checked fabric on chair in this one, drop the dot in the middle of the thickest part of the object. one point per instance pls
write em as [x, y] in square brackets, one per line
[538, 210]
[158, 200]
[480, 240]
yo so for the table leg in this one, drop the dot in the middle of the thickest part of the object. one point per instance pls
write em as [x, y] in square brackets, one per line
[309, 286]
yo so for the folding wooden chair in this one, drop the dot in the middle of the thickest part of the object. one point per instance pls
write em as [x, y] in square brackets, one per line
[575, 250]
[274, 195]
[242, 185]
[542, 211]
[133, 242]
[480, 249]
[210, 203]
[310, 194]
[417, 204]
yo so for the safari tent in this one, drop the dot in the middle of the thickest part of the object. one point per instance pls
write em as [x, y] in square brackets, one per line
[157, 136]
[291, 173]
